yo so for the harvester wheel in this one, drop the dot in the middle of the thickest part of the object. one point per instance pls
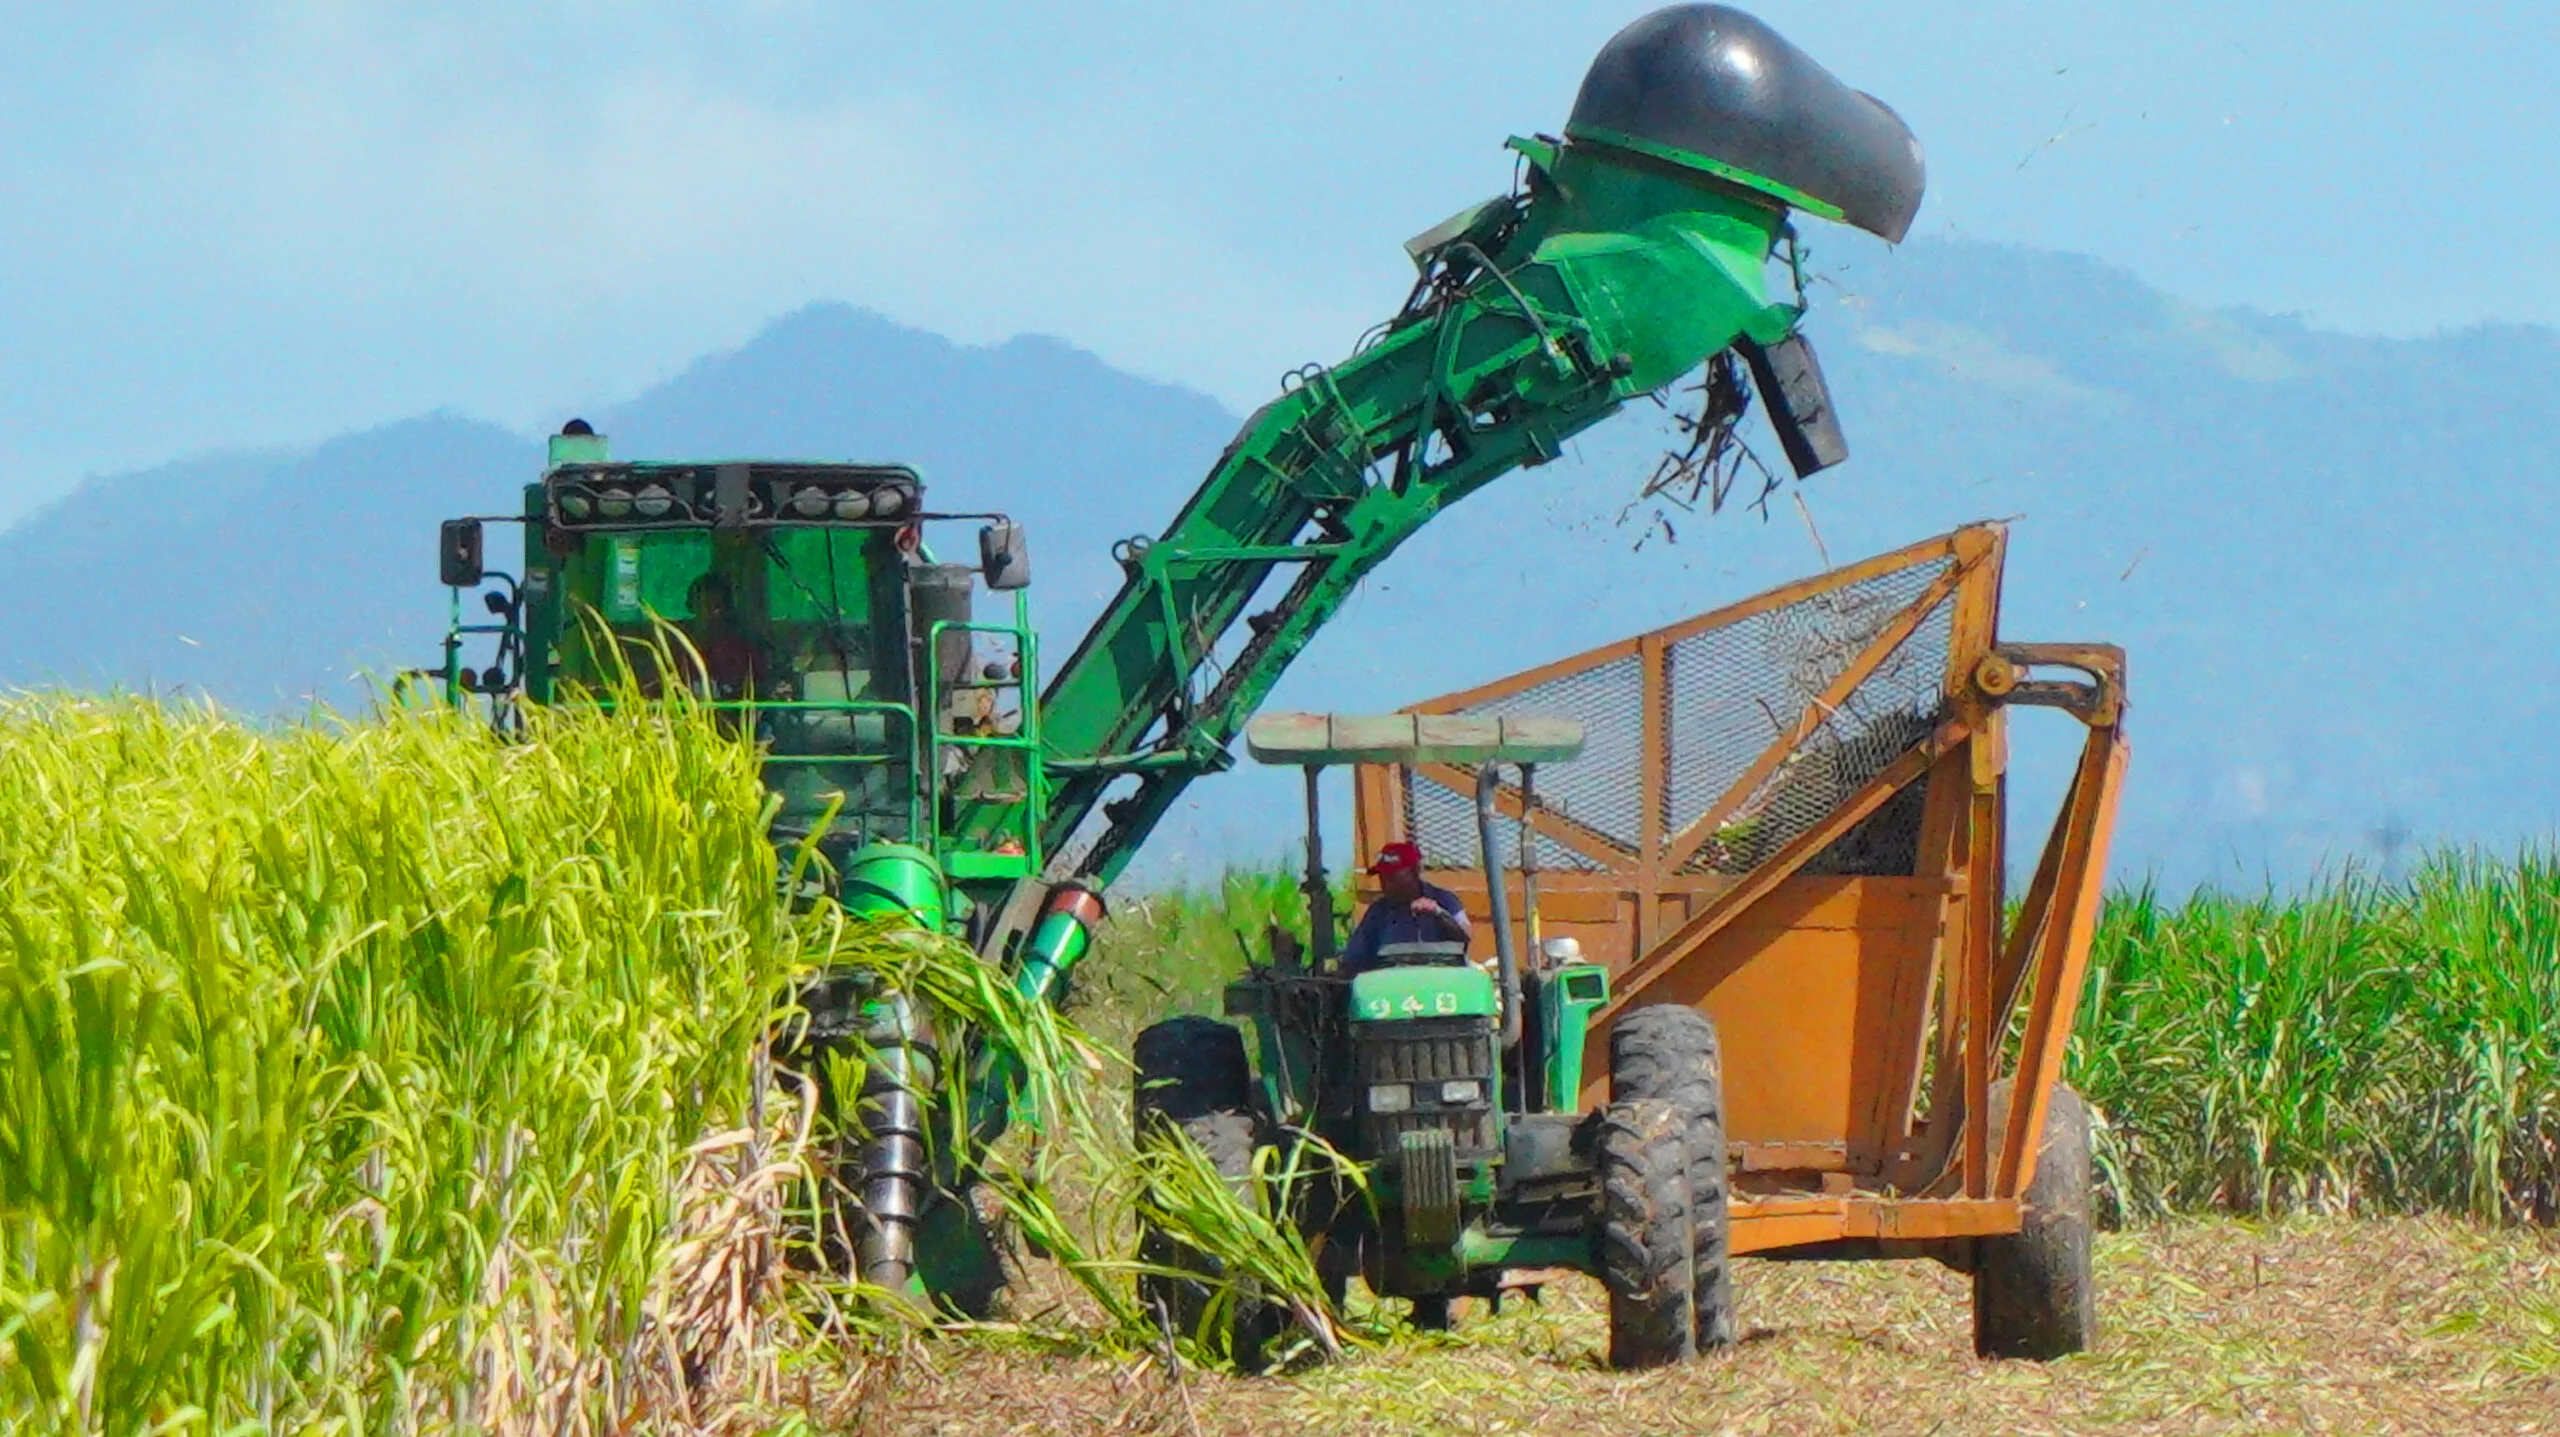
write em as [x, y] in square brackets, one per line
[1648, 1246]
[2033, 1293]
[1192, 1076]
[1669, 1053]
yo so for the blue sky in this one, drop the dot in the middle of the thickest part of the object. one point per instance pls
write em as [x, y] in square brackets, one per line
[269, 222]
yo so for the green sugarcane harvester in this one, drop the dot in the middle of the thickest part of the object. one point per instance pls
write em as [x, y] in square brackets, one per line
[948, 784]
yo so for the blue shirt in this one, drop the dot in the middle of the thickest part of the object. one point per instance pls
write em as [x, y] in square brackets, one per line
[1388, 921]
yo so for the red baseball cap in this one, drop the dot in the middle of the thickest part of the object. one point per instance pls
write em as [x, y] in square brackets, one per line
[1396, 858]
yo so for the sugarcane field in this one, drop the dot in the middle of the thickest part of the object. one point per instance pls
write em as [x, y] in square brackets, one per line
[1688, 945]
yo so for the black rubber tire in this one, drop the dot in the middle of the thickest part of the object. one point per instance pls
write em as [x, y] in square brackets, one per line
[1432, 1312]
[1648, 1249]
[1669, 1053]
[1192, 1076]
[1190, 1067]
[2034, 1295]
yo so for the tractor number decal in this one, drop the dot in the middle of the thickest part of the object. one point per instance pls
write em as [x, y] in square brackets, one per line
[1411, 1006]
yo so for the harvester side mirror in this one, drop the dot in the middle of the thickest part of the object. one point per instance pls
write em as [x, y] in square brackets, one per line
[1004, 555]
[458, 554]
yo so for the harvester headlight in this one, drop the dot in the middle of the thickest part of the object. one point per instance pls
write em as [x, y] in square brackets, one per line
[853, 504]
[574, 504]
[613, 503]
[653, 502]
[1462, 1090]
[809, 503]
[888, 500]
[1390, 1098]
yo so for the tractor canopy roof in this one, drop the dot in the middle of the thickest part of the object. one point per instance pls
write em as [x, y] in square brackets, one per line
[1308, 739]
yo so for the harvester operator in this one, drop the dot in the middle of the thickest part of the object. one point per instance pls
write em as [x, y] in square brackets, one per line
[1408, 911]
[732, 664]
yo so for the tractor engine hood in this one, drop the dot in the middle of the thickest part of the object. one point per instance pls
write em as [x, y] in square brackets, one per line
[1711, 88]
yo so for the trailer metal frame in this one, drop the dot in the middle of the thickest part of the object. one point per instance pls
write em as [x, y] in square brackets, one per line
[1866, 1016]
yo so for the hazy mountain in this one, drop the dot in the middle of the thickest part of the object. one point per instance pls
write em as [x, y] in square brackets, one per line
[269, 579]
[2323, 551]
[261, 579]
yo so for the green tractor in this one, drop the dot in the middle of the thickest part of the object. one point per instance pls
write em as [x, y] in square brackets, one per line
[1459, 1091]
[948, 780]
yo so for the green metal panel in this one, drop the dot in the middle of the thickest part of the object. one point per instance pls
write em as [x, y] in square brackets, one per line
[578, 449]
[1570, 996]
[1480, 1248]
[1438, 991]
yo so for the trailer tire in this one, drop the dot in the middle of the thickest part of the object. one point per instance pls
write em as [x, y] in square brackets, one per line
[1648, 1249]
[1192, 1078]
[2034, 1295]
[1669, 1053]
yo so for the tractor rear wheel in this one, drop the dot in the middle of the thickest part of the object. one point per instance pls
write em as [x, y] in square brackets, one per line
[2033, 1292]
[1193, 1078]
[1668, 1052]
[1648, 1244]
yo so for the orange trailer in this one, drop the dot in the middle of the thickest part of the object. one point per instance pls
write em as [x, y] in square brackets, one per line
[1791, 813]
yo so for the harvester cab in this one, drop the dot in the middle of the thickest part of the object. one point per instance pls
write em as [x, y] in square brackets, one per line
[1457, 1087]
[800, 600]
[899, 735]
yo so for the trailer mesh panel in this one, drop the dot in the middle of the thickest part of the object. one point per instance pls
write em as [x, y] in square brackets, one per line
[1742, 701]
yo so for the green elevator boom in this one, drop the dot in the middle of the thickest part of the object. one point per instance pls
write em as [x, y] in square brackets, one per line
[1634, 249]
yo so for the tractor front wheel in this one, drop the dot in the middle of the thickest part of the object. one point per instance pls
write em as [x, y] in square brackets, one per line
[1192, 1078]
[2034, 1295]
[1648, 1243]
[1668, 1052]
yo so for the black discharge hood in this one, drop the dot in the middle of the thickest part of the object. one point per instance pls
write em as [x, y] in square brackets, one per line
[1716, 82]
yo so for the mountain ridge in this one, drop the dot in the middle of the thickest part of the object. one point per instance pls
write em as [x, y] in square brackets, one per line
[2307, 540]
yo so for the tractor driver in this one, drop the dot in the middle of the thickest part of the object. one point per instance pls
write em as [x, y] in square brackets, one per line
[1409, 911]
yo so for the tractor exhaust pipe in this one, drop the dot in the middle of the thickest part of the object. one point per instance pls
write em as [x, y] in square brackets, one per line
[1506, 954]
